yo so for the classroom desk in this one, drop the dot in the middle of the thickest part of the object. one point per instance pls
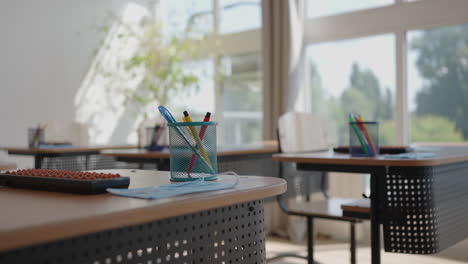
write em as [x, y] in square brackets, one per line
[209, 227]
[252, 159]
[41, 154]
[7, 166]
[421, 203]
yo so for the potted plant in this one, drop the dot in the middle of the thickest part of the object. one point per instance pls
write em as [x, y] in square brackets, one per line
[159, 66]
[156, 68]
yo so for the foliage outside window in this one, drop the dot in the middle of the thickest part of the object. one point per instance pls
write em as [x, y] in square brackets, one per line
[431, 81]
[440, 111]
[351, 85]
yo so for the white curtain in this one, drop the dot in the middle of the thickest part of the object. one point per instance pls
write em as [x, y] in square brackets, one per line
[283, 86]
[283, 55]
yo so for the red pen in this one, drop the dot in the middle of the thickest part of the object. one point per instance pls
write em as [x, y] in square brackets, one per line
[200, 135]
[362, 127]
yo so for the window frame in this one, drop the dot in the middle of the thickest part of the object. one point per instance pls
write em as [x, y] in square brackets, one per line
[397, 18]
[226, 45]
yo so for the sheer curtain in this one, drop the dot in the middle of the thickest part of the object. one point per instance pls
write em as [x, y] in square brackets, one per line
[283, 66]
[283, 57]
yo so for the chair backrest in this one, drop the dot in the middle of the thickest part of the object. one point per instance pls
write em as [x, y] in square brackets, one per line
[67, 131]
[301, 132]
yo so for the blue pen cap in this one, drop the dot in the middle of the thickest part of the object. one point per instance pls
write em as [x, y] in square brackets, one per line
[166, 114]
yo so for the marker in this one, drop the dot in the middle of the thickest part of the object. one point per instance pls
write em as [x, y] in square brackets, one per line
[201, 135]
[37, 134]
[366, 134]
[187, 118]
[352, 122]
[363, 134]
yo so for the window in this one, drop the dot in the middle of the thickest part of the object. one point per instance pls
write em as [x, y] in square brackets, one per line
[437, 84]
[419, 69]
[317, 8]
[355, 76]
[242, 99]
[233, 10]
[195, 17]
[201, 100]
[232, 89]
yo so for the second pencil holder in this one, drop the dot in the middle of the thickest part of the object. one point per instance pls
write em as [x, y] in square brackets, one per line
[36, 136]
[192, 147]
[155, 138]
[364, 139]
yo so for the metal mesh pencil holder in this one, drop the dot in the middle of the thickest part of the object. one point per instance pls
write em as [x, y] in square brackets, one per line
[364, 139]
[36, 136]
[192, 147]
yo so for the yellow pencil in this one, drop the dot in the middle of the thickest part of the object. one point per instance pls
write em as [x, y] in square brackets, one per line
[187, 118]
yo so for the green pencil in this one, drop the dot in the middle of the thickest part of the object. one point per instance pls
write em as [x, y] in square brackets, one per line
[352, 122]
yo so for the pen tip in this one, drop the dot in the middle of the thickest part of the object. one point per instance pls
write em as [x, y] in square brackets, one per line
[185, 113]
[208, 114]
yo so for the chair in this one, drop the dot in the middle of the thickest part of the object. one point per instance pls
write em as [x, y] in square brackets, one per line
[145, 132]
[67, 131]
[77, 134]
[304, 132]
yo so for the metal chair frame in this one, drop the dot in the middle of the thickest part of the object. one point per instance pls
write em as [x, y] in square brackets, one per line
[310, 222]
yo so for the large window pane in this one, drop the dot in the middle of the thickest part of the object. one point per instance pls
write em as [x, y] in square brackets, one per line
[197, 100]
[230, 84]
[237, 15]
[353, 76]
[316, 8]
[241, 99]
[438, 84]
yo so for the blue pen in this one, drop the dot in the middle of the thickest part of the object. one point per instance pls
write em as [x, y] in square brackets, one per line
[166, 114]
[170, 119]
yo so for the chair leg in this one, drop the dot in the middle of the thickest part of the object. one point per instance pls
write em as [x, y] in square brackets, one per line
[310, 240]
[353, 243]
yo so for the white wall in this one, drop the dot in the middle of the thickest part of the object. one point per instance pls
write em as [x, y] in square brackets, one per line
[46, 49]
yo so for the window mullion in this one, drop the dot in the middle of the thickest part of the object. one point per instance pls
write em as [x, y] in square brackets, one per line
[217, 62]
[401, 103]
[387, 19]
[216, 16]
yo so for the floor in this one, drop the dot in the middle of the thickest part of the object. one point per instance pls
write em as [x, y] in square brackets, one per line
[330, 252]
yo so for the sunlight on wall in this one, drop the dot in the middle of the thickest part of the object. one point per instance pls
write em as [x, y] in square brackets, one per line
[99, 101]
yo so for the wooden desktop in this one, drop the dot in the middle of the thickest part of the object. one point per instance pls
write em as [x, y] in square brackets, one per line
[7, 166]
[50, 226]
[228, 156]
[428, 190]
[40, 154]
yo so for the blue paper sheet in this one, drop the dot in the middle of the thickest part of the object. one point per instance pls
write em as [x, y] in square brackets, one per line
[175, 189]
[54, 146]
[411, 155]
